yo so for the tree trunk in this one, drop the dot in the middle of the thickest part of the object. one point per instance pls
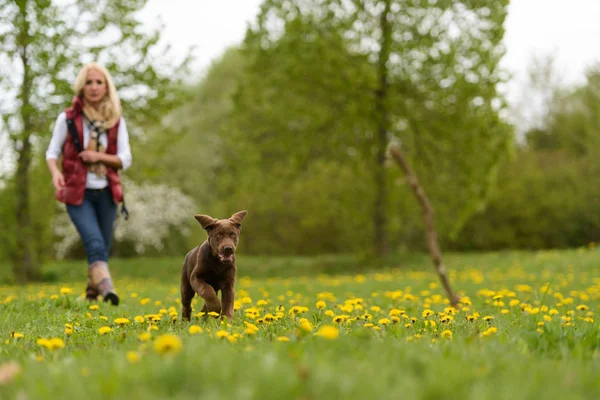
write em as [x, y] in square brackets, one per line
[431, 235]
[25, 267]
[383, 122]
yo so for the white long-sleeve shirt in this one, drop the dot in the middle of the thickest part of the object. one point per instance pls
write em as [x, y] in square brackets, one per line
[59, 135]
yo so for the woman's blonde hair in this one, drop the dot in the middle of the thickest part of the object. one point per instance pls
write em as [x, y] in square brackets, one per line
[110, 106]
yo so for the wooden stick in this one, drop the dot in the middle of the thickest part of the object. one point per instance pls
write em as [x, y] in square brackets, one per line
[431, 235]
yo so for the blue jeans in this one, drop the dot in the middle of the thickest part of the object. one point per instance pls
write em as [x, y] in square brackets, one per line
[94, 220]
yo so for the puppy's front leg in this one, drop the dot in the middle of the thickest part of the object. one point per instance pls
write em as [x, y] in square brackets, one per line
[209, 295]
[228, 299]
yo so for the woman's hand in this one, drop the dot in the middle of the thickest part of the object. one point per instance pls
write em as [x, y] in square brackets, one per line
[58, 180]
[90, 156]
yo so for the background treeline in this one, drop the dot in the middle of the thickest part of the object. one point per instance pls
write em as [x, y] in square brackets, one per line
[293, 125]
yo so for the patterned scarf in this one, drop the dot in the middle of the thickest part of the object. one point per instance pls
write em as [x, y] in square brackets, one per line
[97, 126]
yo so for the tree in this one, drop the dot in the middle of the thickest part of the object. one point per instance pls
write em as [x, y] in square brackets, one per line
[44, 43]
[337, 80]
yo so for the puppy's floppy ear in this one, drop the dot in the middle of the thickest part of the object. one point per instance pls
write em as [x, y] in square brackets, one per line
[206, 221]
[238, 217]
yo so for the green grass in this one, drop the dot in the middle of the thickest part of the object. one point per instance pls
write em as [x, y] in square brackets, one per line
[408, 358]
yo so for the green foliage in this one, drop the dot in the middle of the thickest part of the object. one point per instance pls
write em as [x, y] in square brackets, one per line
[529, 356]
[311, 93]
[546, 196]
[44, 44]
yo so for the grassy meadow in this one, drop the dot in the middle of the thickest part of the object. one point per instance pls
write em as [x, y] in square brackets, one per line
[313, 328]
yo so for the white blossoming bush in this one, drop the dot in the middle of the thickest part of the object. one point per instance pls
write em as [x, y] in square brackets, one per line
[154, 210]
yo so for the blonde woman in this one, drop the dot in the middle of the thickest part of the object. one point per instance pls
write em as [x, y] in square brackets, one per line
[93, 140]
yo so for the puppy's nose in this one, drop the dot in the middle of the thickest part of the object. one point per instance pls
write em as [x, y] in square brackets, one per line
[228, 249]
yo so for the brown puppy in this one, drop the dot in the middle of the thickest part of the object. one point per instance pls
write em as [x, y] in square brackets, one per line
[210, 267]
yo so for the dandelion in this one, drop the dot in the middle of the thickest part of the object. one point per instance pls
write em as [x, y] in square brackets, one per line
[51, 344]
[213, 314]
[490, 331]
[321, 304]
[93, 307]
[582, 307]
[488, 318]
[167, 344]
[16, 335]
[66, 290]
[447, 334]
[133, 357]
[194, 329]
[427, 313]
[144, 336]
[328, 332]
[104, 330]
[283, 339]
[139, 319]
[221, 334]
[384, 321]
[144, 301]
[305, 326]
[121, 321]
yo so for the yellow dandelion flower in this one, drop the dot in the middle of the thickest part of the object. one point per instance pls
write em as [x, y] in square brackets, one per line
[262, 303]
[139, 319]
[582, 307]
[488, 318]
[66, 290]
[447, 334]
[104, 330]
[213, 314]
[54, 297]
[321, 304]
[144, 336]
[490, 331]
[17, 335]
[103, 318]
[232, 339]
[194, 329]
[396, 319]
[93, 307]
[305, 326]
[553, 311]
[505, 311]
[144, 301]
[133, 357]
[330, 313]
[283, 339]
[51, 344]
[329, 332]
[166, 344]
[250, 331]
[68, 331]
[221, 334]
[121, 321]
[427, 313]
[383, 321]
[133, 295]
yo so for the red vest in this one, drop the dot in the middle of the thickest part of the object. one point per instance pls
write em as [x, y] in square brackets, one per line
[73, 168]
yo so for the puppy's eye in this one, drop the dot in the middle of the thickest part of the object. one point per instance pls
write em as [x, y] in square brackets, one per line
[219, 235]
[233, 235]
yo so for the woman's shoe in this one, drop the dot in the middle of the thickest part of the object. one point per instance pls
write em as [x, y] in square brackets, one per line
[112, 297]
